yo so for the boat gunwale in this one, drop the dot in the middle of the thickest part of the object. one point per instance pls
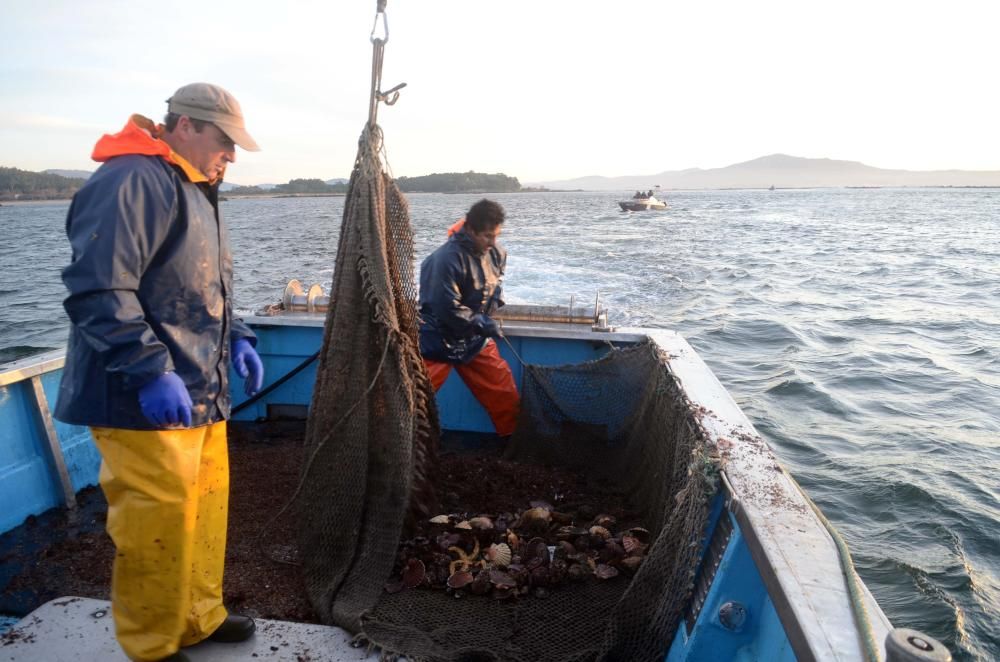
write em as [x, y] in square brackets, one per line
[31, 366]
[773, 513]
[793, 551]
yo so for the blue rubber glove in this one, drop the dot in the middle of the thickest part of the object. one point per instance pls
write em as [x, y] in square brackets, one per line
[248, 366]
[486, 326]
[165, 401]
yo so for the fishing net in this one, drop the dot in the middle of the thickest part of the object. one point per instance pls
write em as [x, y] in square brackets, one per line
[371, 445]
[372, 432]
[623, 417]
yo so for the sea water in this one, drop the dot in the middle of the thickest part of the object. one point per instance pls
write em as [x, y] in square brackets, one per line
[859, 330]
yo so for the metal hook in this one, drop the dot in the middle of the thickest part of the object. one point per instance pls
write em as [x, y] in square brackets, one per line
[385, 26]
[389, 97]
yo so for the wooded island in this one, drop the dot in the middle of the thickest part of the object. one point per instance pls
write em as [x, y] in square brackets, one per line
[16, 184]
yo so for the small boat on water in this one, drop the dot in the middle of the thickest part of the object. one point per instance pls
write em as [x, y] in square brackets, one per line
[767, 578]
[642, 202]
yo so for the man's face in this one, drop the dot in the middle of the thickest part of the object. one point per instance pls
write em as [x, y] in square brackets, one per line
[208, 150]
[486, 239]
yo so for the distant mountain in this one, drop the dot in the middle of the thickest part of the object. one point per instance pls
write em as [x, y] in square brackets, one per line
[782, 171]
[71, 174]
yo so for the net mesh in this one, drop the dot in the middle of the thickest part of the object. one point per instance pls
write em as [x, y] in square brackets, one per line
[623, 418]
[372, 432]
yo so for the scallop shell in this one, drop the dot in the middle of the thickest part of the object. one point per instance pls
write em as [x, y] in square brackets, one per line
[632, 545]
[464, 525]
[561, 518]
[440, 519]
[536, 553]
[460, 579]
[481, 584]
[600, 532]
[536, 516]
[640, 533]
[567, 532]
[612, 552]
[607, 521]
[502, 580]
[603, 571]
[499, 554]
[414, 573]
[481, 523]
[631, 563]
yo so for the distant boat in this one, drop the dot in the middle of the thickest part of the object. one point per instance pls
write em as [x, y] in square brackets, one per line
[642, 202]
[772, 188]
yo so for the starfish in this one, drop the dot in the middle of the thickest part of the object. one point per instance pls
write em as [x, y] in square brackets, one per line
[464, 561]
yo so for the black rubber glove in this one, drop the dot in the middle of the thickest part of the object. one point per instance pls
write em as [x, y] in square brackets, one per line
[486, 326]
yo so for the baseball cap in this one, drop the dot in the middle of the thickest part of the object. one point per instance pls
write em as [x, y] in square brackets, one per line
[204, 101]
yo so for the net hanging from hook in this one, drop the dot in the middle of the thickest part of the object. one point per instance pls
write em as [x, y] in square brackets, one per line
[372, 433]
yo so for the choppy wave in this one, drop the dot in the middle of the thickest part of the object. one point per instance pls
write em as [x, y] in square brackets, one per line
[856, 328]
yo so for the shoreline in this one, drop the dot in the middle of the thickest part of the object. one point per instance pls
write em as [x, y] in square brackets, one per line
[225, 197]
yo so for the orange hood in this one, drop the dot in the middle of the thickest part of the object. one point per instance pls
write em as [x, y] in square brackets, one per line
[142, 136]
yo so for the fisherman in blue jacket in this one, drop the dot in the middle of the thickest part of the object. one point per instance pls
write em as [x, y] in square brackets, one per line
[151, 339]
[460, 290]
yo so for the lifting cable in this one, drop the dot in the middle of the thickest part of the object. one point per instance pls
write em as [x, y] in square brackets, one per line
[389, 98]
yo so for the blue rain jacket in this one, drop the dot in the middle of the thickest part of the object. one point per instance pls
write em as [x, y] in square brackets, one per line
[150, 287]
[455, 284]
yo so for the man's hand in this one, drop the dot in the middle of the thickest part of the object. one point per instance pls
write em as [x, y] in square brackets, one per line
[248, 365]
[486, 326]
[165, 401]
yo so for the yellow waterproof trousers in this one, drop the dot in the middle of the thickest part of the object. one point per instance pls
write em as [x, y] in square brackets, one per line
[168, 500]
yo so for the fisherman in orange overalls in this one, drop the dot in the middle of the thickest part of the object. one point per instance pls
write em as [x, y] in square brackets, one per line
[460, 288]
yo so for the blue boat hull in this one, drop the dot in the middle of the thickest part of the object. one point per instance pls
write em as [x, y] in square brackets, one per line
[768, 587]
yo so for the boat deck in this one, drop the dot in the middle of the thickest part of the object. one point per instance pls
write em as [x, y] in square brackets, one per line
[72, 629]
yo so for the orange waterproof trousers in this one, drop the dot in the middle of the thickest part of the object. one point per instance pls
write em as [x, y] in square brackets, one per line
[168, 501]
[489, 378]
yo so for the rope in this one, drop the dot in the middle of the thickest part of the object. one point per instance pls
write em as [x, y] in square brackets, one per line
[378, 50]
[865, 633]
[291, 373]
[516, 355]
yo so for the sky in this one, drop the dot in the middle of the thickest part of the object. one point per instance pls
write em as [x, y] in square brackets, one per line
[540, 90]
